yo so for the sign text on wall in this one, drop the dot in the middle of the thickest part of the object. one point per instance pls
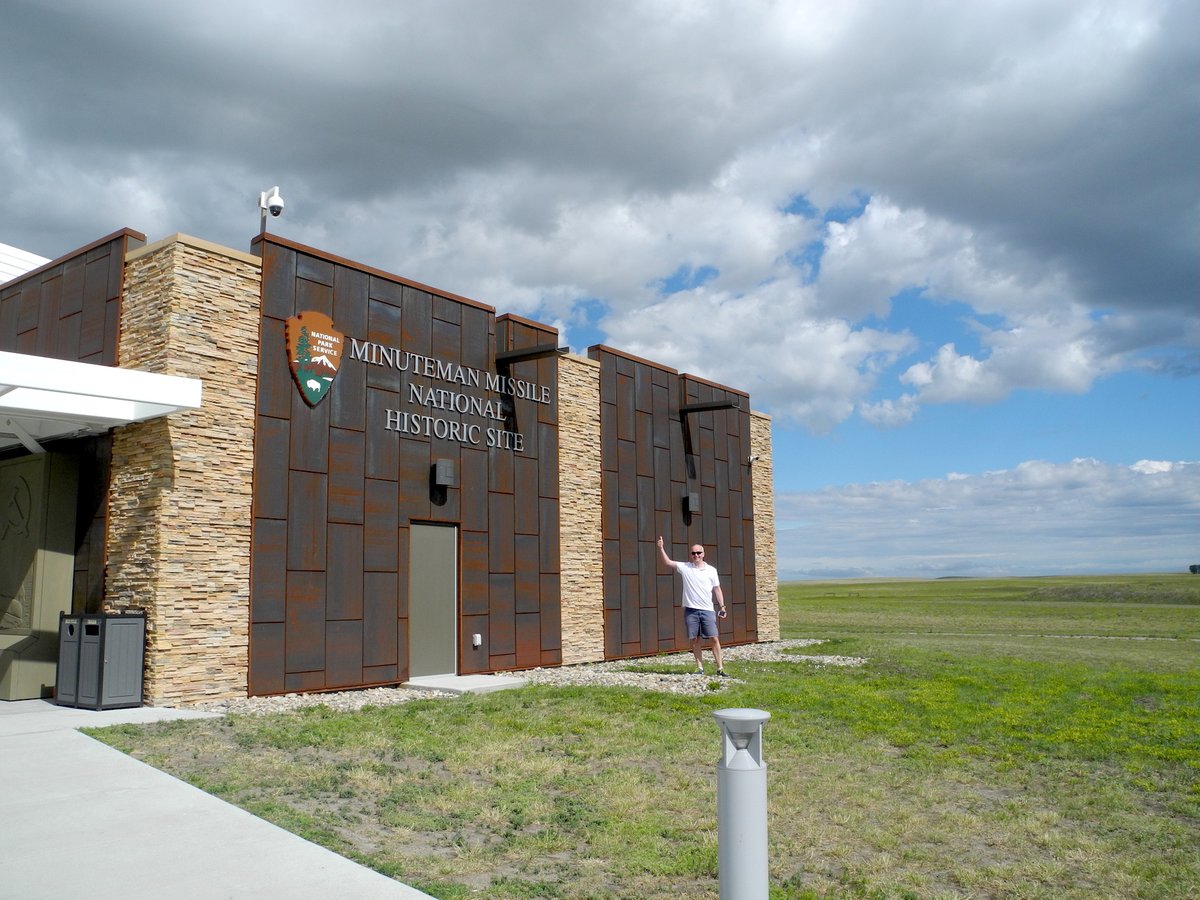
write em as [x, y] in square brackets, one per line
[433, 403]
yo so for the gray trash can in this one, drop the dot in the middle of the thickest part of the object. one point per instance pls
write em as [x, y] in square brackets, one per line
[100, 660]
[66, 679]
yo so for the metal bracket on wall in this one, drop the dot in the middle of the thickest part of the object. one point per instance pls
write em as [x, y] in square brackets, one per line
[541, 351]
[507, 358]
[707, 407]
[684, 412]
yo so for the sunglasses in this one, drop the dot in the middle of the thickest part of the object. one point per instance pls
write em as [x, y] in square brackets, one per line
[697, 553]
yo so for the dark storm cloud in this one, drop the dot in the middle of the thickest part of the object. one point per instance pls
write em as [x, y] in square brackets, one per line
[1018, 156]
[358, 102]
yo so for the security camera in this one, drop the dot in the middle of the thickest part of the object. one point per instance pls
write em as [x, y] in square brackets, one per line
[753, 459]
[271, 202]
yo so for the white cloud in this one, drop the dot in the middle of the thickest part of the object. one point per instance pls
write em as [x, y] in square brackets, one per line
[1152, 466]
[1031, 159]
[802, 368]
[1036, 518]
[1060, 350]
[890, 413]
[952, 377]
[890, 248]
[552, 241]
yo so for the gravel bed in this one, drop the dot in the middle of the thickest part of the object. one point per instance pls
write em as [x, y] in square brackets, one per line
[622, 673]
[340, 701]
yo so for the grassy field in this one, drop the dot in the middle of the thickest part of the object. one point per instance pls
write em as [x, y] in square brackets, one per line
[1009, 738]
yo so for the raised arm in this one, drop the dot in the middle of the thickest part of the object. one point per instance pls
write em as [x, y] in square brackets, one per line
[662, 554]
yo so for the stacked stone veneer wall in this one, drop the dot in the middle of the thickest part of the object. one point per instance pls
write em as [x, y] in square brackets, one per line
[581, 540]
[180, 496]
[766, 577]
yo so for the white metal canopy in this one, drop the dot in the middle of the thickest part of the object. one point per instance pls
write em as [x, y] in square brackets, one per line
[43, 398]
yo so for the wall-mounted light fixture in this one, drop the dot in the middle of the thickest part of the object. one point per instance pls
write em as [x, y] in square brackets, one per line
[442, 477]
[443, 473]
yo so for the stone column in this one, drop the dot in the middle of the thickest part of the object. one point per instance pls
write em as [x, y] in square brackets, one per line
[581, 540]
[179, 520]
[766, 571]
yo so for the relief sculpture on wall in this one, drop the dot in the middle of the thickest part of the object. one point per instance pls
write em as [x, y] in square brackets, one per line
[16, 550]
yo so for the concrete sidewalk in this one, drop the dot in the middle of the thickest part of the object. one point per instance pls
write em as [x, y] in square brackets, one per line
[79, 819]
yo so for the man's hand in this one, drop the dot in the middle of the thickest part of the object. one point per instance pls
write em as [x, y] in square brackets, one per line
[662, 554]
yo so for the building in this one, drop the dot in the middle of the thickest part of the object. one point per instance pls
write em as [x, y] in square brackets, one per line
[14, 262]
[314, 475]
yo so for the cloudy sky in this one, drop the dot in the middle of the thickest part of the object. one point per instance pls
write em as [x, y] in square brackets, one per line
[951, 248]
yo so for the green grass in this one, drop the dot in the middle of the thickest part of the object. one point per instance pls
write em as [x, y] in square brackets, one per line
[980, 752]
[1162, 606]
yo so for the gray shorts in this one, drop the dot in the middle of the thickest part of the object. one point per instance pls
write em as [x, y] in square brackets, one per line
[700, 623]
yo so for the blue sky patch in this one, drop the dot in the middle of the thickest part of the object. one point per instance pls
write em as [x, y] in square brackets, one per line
[808, 258]
[851, 210]
[584, 324]
[935, 323]
[685, 278]
[799, 205]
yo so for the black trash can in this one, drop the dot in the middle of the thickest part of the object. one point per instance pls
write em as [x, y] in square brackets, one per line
[100, 660]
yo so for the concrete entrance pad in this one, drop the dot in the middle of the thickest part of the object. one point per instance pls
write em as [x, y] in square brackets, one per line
[81, 819]
[465, 684]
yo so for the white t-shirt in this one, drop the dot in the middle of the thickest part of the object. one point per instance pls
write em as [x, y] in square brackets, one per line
[698, 584]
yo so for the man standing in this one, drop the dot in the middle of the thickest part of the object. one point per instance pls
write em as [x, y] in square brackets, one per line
[701, 589]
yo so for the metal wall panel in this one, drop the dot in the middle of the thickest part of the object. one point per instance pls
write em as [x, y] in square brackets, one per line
[345, 644]
[502, 615]
[347, 479]
[305, 625]
[651, 458]
[269, 572]
[379, 618]
[335, 491]
[345, 577]
[380, 523]
[308, 502]
[267, 666]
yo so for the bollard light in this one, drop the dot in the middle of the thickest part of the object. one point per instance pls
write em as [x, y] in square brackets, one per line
[742, 805]
[741, 737]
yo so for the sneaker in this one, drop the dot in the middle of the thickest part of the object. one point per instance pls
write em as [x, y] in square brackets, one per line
[700, 671]
[721, 673]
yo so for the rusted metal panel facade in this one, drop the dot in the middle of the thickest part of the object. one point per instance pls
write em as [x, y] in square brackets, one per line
[70, 309]
[653, 457]
[336, 486]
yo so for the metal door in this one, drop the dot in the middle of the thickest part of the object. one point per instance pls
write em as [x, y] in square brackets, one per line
[433, 600]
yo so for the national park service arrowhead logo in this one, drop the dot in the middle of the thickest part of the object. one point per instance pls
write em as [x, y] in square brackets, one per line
[314, 349]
